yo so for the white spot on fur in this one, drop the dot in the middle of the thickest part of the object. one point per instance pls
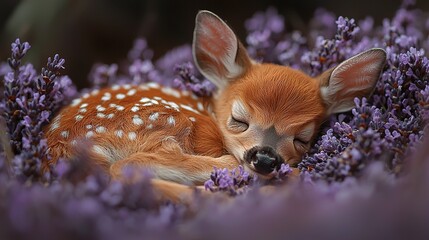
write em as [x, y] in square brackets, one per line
[192, 119]
[153, 116]
[158, 98]
[171, 92]
[154, 101]
[137, 120]
[120, 108]
[100, 129]
[95, 92]
[127, 86]
[89, 134]
[131, 92]
[135, 109]
[189, 108]
[100, 108]
[106, 97]
[150, 126]
[132, 136]
[152, 85]
[147, 104]
[120, 96]
[74, 142]
[119, 133]
[78, 117]
[89, 126]
[200, 106]
[76, 102]
[173, 105]
[112, 105]
[65, 134]
[82, 110]
[145, 100]
[84, 105]
[171, 121]
[115, 87]
[86, 95]
[101, 115]
[110, 115]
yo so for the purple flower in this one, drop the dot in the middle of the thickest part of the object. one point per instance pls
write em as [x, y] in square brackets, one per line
[28, 103]
[233, 182]
[140, 50]
[103, 74]
[18, 52]
[188, 80]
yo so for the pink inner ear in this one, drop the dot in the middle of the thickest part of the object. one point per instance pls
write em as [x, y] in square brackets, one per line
[213, 41]
[216, 50]
[357, 77]
[214, 37]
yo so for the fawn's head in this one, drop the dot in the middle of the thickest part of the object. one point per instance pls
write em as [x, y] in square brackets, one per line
[269, 114]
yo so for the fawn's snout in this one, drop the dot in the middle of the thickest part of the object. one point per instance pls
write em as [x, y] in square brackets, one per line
[264, 160]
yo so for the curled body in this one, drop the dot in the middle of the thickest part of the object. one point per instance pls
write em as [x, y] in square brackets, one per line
[261, 116]
[126, 122]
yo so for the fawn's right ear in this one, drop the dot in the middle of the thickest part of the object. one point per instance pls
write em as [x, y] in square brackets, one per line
[218, 53]
[355, 77]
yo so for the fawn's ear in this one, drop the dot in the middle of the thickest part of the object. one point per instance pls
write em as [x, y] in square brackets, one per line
[218, 53]
[355, 77]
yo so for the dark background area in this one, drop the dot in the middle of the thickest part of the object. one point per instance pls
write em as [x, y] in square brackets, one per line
[88, 31]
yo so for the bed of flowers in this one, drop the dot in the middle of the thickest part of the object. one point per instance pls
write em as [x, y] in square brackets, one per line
[366, 176]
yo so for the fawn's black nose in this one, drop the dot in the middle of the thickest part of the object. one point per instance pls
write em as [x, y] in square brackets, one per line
[264, 159]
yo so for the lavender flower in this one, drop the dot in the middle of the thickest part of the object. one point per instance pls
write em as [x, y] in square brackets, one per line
[103, 75]
[233, 182]
[394, 116]
[140, 50]
[267, 42]
[29, 100]
[329, 52]
[188, 80]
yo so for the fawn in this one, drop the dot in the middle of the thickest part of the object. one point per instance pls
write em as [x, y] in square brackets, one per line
[262, 115]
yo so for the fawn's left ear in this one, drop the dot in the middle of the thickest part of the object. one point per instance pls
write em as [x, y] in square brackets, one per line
[217, 52]
[355, 77]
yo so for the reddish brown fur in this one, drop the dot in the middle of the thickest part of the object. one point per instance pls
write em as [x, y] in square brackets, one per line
[281, 106]
[201, 137]
[274, 96]
[277, 94]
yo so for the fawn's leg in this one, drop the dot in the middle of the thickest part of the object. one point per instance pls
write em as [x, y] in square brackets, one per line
[176, 192]
[170, 162]
[172, 166]
[174, 172]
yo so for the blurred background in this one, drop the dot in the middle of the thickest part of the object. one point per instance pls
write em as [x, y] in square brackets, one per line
[88, 31]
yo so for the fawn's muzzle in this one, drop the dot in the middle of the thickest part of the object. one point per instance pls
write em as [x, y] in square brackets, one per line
[264, 159]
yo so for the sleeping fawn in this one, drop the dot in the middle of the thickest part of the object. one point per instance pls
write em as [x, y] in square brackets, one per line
[262, 115]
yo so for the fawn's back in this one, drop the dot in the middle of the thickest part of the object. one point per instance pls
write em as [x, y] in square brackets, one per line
[121, 120]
